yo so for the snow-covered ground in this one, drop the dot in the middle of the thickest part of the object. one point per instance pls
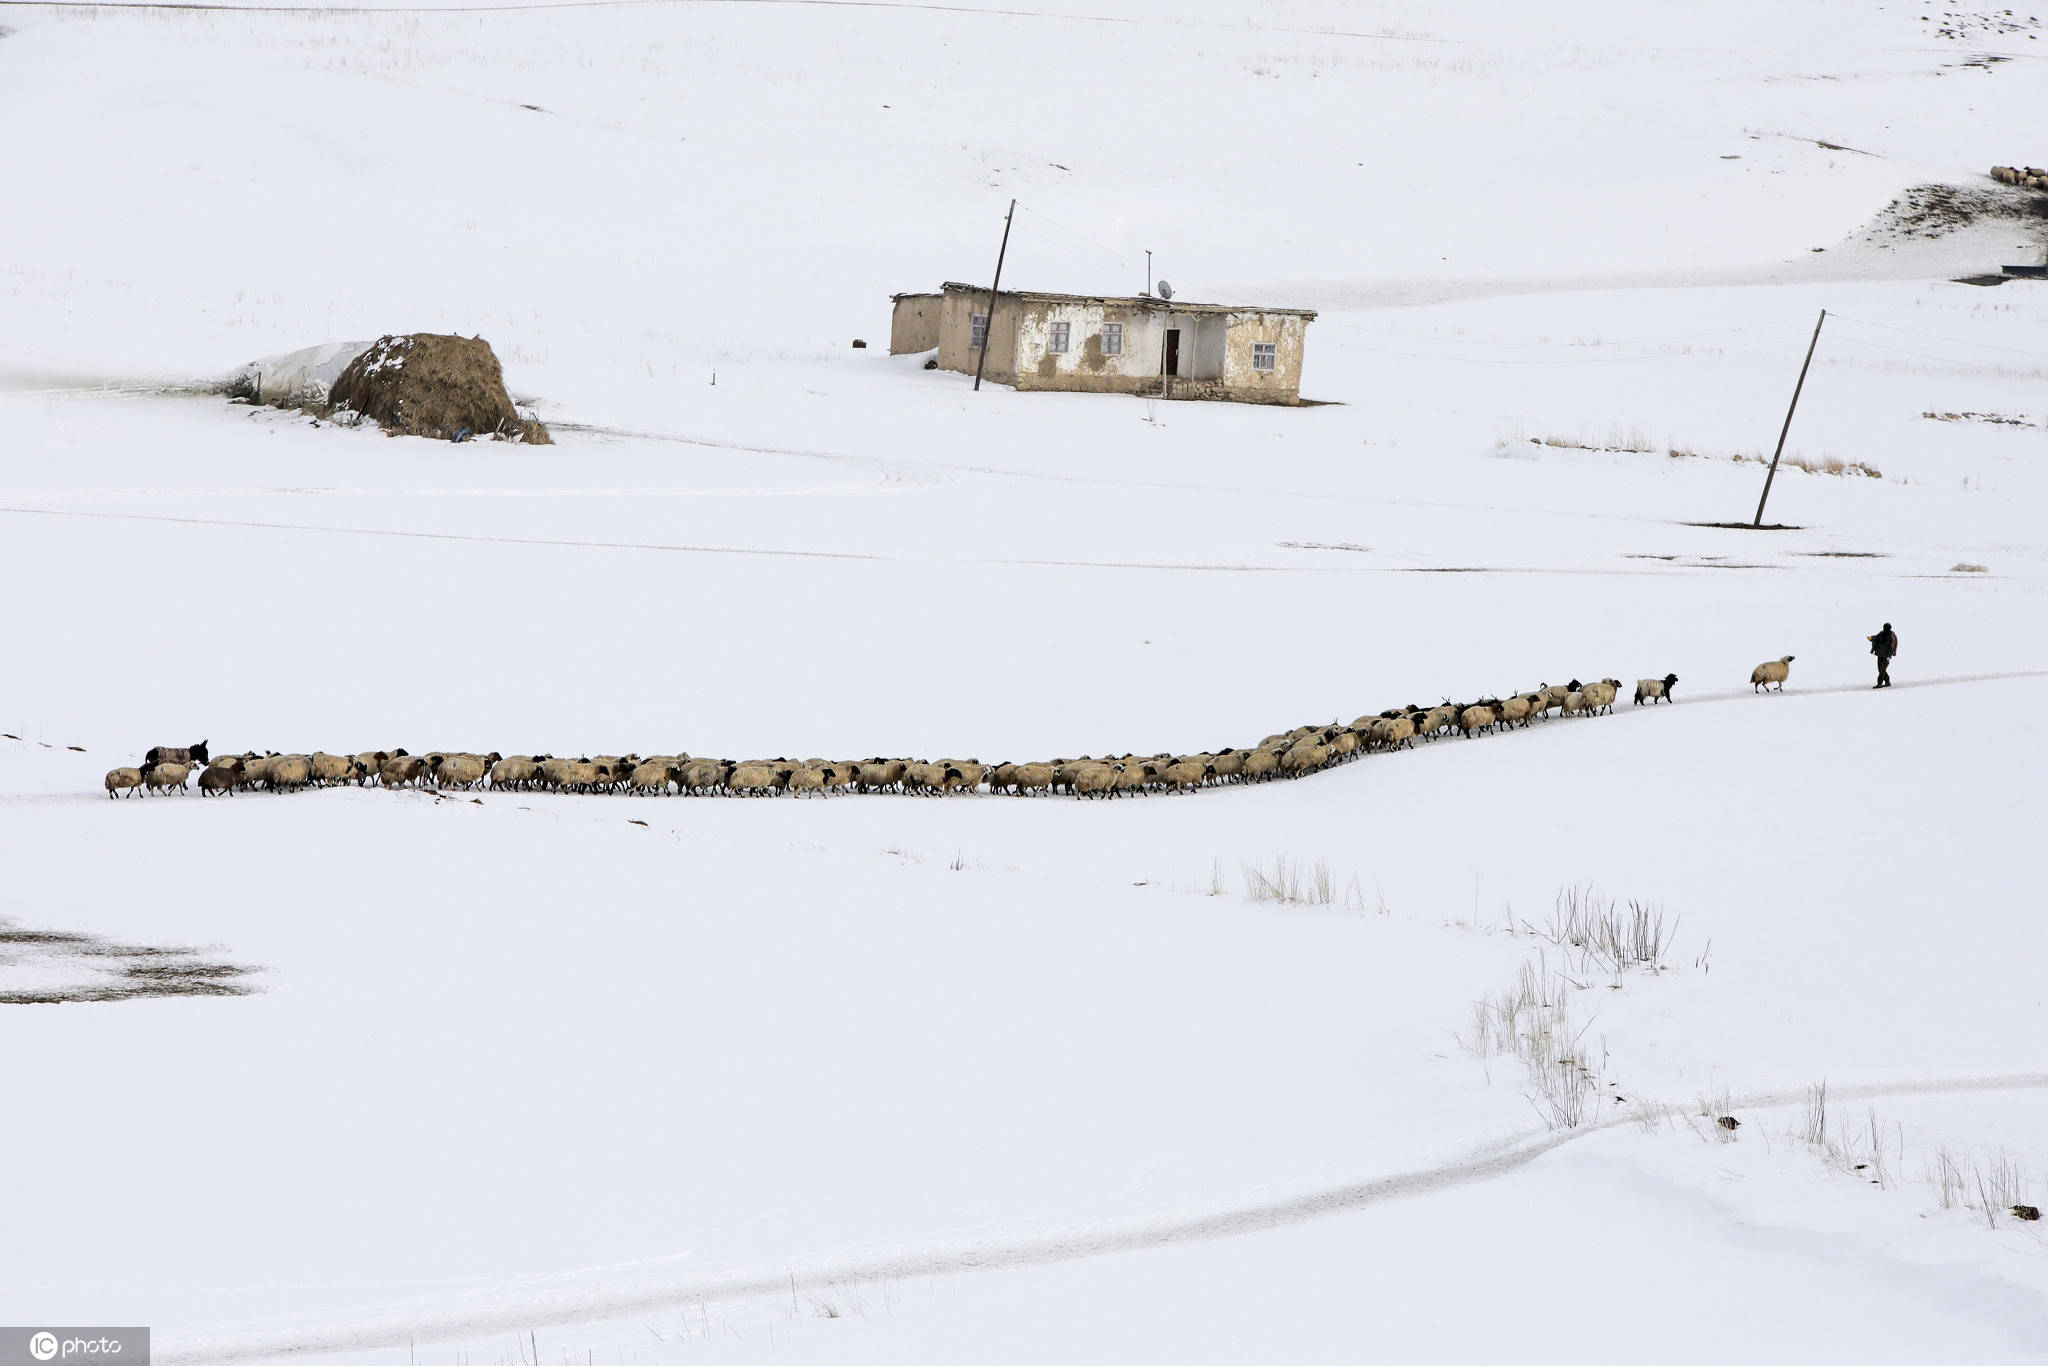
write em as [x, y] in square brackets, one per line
[882, 1079]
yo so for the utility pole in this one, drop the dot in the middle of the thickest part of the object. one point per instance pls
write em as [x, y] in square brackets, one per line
[1148, 272]
[988, 333]
[1788, 420]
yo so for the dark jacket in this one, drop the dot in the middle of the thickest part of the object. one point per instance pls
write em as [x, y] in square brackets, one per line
[1885, 644]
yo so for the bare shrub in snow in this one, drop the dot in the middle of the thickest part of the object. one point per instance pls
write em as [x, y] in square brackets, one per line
[1532, 1021]
[1599, 935]
[1813, 1128]
[1290, 881]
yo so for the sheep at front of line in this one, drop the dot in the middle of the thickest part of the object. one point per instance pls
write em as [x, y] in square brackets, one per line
[1772, 671]
[121, 780]
[1655, 689]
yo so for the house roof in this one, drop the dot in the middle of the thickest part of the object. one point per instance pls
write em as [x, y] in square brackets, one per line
[1144, 301]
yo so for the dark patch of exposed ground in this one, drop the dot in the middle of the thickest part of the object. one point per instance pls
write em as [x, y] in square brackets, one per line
[109, 970]
[1930, 211]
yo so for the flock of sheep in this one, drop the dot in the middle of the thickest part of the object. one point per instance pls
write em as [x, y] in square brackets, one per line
[1287, 754]
[2032, 177]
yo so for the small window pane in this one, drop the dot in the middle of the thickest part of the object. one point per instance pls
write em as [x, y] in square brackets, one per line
[977, 326]
[1057, 342]
[1112, 339]
[1265, 355]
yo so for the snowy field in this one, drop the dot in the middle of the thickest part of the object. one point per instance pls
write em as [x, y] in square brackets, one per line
[860, 1080]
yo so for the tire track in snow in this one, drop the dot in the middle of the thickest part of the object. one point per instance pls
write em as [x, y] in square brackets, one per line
[529, 1303]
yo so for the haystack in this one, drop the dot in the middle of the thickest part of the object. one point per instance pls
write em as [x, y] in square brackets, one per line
[426, 384]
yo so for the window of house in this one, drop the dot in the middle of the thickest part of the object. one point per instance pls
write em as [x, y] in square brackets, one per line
[1060, 335]
[977, 329]
[1112, 339]
[1265, 355]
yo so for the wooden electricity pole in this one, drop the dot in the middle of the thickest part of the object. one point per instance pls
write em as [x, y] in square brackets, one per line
[988, 332]
[1788, 420]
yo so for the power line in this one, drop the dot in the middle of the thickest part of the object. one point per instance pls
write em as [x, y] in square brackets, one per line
[1638, 341]
[1936, 336]
[1070, 246]
[1945, 360]
[1078, 235]
[1563, 360]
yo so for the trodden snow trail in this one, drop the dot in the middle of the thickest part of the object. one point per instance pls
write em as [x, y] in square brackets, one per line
[1621, 709]
[776, 552]
[525, 1303]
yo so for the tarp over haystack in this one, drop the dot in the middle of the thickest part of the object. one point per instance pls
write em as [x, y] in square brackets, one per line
[298, 379]
[426, 384]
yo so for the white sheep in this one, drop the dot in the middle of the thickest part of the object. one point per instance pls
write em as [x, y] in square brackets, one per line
[1600, 696]
[649, 777]
[1771, 671]
[1093, 780]
[290, 772]
[330, 768]
[459, 770]
[157, 777]
[401, 770]
[753, 779]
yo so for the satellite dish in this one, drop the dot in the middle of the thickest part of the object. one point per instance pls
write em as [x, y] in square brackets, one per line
[1165, 290]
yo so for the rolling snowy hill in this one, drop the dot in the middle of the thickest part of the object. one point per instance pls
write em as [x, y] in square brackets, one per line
[871, 1079]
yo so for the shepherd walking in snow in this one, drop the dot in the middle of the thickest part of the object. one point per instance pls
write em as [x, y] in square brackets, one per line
[1884, 645]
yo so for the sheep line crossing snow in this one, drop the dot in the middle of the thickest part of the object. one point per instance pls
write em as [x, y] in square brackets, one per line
[1287, 754]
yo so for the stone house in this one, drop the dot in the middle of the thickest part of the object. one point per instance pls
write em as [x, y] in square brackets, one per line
[1093, 344]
